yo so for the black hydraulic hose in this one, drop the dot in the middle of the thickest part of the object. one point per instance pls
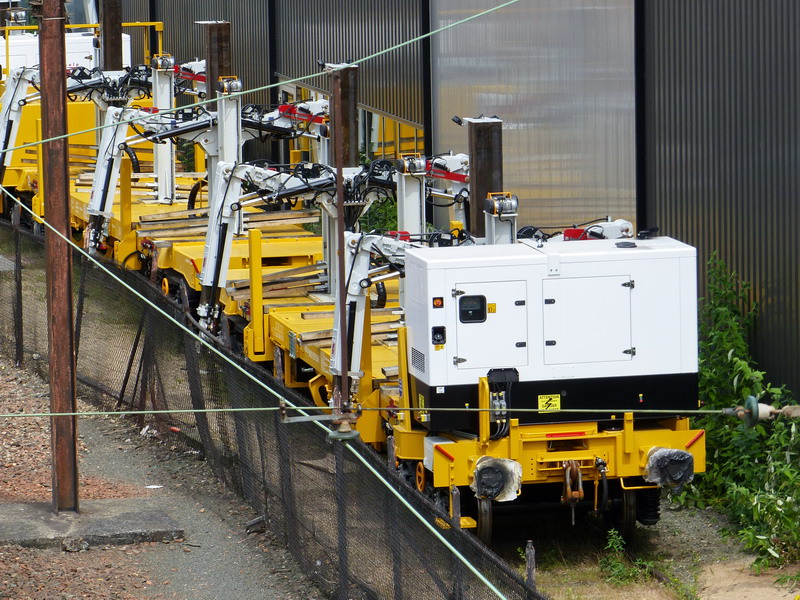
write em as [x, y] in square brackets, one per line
[191, 202]
[380, 301]
[135, 165]
[106, 183]
[223, 232]
[347, 343]
[604, 487]
[4, 149]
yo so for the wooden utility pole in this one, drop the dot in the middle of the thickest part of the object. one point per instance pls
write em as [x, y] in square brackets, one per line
[485, 166]
[344, 121]
[218, 54]
[111, 35]
[61, 347]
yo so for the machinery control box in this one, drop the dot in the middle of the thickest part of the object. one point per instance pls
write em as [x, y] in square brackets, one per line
[585, 323]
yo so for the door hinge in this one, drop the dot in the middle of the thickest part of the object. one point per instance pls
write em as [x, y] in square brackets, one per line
[457, 360]
[629, 284]
[456, 293]
[631, 351]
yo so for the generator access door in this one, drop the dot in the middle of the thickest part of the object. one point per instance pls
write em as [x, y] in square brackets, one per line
[587, 319]
[491, 324]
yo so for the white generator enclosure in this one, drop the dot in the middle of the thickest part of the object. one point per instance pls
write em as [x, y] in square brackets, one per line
[604, 325]
[23, 50]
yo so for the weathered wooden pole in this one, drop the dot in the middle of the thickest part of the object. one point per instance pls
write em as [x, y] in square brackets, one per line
[111, 35]
[485, 166]
[344, 121]
[218, 54]
[61, 347]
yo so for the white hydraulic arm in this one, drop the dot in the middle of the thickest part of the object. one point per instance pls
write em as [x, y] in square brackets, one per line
[225, 219]
[163, 82]
[16, 96]
[361, 276]
[191, 77]
[219, 133]
[157, 127]
[450, 177]
[303, 119]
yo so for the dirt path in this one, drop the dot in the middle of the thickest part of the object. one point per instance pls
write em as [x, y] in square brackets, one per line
[690, 545]
[217, 558]
[735, 579]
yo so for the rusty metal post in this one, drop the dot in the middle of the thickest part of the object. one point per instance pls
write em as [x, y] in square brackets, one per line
[111, 35]
[217, 53]
[530, 565]
[455, 506]
[61, 346]
[485, 167]
[344, 122]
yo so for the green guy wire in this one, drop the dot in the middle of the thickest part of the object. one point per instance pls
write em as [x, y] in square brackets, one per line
[363, 409]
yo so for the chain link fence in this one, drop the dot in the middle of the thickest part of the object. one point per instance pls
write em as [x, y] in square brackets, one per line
[355, 528]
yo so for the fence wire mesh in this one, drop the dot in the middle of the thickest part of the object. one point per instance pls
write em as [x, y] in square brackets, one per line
[355, 533]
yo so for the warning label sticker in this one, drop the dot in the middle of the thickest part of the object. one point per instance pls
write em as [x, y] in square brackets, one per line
[550, 402]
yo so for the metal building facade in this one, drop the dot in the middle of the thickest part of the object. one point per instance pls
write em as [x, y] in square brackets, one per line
[184, 38]
[721, 151]
[560, 74]
[300, 34]
[344, 30]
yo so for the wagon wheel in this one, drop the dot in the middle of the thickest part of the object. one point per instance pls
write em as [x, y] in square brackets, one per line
[484, 529]
[419, 477]
[623, 515]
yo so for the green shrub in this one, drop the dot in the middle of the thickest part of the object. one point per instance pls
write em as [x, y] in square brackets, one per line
[752, 473]
[615, 565]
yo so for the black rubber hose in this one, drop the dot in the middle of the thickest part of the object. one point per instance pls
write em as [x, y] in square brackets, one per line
[190, 203]
[135, 166]
[604, 498]
[380, 301]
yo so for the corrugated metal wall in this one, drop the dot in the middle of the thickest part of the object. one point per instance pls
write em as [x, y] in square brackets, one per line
[722, 150]
[132, 11]
[391, 84]
[309, 30]
[184, 39]
[560, 73]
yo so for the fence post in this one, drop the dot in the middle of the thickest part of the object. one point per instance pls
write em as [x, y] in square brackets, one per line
[18, 329]
[79, 307]
[455, 520]
[287, 486]
[530, 565]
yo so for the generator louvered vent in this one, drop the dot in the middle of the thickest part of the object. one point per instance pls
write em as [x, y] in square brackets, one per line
[417, 360]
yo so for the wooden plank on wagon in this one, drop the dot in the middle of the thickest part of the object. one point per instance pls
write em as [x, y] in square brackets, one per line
[174, 214]
[318, 266]
[328, 314]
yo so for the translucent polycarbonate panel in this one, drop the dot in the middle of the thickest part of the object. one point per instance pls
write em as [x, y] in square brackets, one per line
[560, 74]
